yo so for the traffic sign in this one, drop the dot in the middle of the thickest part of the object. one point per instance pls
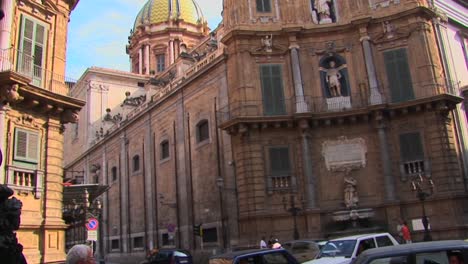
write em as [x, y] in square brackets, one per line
[92, 224]
[92, 235]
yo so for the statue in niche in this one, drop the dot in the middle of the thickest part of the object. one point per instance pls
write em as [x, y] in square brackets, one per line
[333, 80]
[389, 29]
[324, 12]
[334, 76]
[351, 198]
[267, 43]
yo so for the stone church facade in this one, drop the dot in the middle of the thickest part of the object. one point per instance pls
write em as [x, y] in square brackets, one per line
[292, 118]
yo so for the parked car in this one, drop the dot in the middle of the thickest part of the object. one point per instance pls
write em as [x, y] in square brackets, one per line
[344, 250]
[303, 250]
[169, 256]
[255, 256]
[450, 251]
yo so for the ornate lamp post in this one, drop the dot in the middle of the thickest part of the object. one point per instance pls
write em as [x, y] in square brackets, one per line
[423, 188]
[294, 211]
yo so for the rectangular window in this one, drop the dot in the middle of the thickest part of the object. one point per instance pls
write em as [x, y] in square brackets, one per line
[210, 235]
[164, 150]
[161, 62]
[411, 153]
[138, 242]
[280, 168]
[398, 75]
[272, 89]
[263, 6]
[114, 173]
[115, 244]
[32, 49]
[26, 145]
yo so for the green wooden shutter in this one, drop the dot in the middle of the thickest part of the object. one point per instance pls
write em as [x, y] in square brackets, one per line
[32, 49]
[411, 147]
[399, 75]
[272, 89]
[280, 164]
[26, 146]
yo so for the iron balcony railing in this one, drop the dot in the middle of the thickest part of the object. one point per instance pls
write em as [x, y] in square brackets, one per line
[320, 104]
[16, 61]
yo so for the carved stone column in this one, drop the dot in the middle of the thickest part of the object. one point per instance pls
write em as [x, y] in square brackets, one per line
[3, 113]
[311, 200]
[5, 24]
[140, 61]
[124, 225]
[375, 95]
[389, 181]
[147, 59]
[301, 104]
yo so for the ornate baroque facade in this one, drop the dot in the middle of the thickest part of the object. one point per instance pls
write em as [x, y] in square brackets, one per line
[33, 110]
[331, 107]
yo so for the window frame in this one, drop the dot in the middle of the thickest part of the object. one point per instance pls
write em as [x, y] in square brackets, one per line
[136, 163]
[27, 158]
[160, 62]
[165, 152]
[273, 89]
[263, 8]
[37, 76]
[390, 58]
[200, 125]
[114, 173]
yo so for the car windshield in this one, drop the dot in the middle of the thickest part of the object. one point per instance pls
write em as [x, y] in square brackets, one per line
[339, 248]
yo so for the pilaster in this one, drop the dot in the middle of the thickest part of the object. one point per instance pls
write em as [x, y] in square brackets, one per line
[381, 125]
[301, 104]
[124, 202]
[375, 95]
[311, 200]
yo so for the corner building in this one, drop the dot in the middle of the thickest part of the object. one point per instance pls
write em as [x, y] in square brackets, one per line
[318, 116]
[34, 108]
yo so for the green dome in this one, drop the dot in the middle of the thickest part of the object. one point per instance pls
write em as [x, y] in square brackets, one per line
[159, 11]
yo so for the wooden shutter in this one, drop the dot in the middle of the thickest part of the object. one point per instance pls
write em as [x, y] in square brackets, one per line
[399, 75]
[32, 49]
[263, 6]
[411, 147]
[27, 146]
[272, 89]
[279, 161]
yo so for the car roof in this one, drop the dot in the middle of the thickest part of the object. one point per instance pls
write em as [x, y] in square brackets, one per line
[361, 236]
[302, 240]
[416, 247]
[235, 254]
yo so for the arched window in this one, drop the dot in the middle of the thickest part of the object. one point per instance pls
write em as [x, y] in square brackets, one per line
[136, 163]
[114, 173]
[203, 131]
[164, 149]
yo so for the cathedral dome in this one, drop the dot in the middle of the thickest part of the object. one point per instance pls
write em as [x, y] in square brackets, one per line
[160, 11]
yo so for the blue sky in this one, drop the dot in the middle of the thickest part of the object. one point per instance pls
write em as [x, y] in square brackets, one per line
[98, 32]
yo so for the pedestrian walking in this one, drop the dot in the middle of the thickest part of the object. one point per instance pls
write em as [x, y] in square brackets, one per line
[405, 231]
[263, 243]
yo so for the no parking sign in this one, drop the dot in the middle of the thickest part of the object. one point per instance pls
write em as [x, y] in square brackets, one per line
[92, 224]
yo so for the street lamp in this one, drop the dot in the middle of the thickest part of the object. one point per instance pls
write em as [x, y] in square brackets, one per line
[424, 189]
[294, 211]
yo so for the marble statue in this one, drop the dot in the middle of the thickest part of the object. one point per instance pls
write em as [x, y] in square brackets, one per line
[323, 11]
[351, 198]
[267, 43]
[389, 29]
[333, 80]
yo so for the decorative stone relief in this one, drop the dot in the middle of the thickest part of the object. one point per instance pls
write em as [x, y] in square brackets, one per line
[382, 3]
[27, 120]
[344, 154]
[10, 94]
[267, 43]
